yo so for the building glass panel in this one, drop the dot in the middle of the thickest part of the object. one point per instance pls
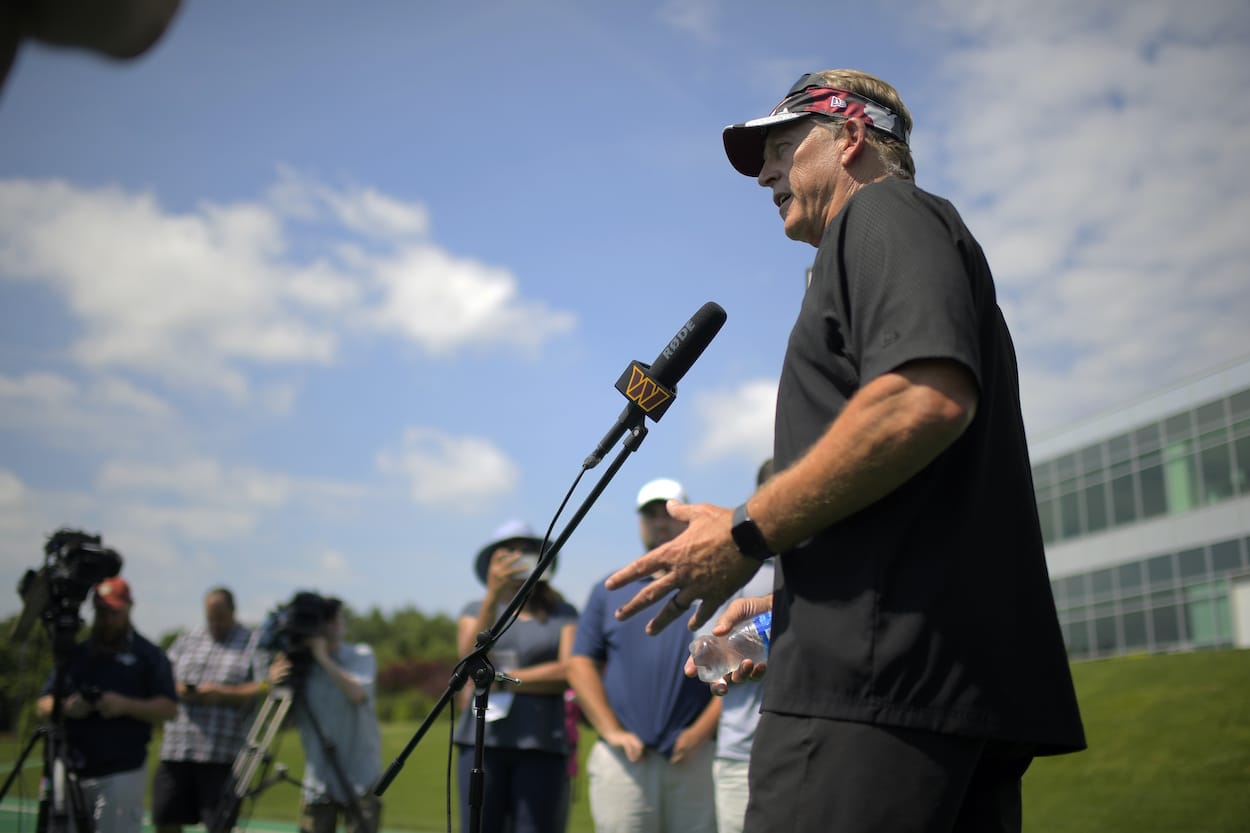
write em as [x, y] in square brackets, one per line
[1123, 501]
[1070, 515]
[1217, 473]
[1193, 563]
[1146, 438]
[1135, 631]
[1225, 556]
[1078, 638]
[1119, 448]
[1095, 500]
[1153, 493]
[1091, 459]
[1075, 589]
[1211, 415]
[1128, 577]
[1180, 474]
[1065, 467]
[1239, 404]
[1166, 625]
[1177, 427]
[1241, 464]
[1101, 583]
[1104, 635]
[1159, 569]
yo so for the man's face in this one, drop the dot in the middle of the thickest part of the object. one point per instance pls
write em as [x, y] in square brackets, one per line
[657, 526]
[801, 168]
[218, 616]
[110, 625]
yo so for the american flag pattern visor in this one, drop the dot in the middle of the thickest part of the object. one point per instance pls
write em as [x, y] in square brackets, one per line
[744, 143]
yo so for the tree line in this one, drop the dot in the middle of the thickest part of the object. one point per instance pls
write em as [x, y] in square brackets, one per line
[415, 652]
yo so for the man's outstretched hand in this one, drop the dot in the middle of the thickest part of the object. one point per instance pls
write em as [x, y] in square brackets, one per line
[702, 564]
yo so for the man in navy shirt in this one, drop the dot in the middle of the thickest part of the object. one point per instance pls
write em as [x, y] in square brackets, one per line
[651, 770]
[117, 685]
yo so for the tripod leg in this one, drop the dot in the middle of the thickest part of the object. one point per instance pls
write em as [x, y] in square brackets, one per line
[269, 719]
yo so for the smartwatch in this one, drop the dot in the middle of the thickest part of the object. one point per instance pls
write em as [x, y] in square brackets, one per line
[747, 536]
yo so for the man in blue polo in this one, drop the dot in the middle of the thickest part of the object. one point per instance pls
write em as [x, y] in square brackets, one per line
[651, 769]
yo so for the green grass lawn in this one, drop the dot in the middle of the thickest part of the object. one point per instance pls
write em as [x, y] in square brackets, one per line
[1169, 752]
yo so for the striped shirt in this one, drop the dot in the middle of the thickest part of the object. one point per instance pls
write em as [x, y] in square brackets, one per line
[203, 733]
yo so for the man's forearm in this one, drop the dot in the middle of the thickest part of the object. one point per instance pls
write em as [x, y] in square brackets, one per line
[592, 697]
[887, 433]
[704, 726]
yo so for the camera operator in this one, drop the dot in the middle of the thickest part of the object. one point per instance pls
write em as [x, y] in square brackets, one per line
[335, 681]
[121, 685]
[220, 673]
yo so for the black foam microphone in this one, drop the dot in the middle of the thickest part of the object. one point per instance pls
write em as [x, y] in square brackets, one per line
[651, 388]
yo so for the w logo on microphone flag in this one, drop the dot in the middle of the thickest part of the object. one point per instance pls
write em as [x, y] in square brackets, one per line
[644, 391]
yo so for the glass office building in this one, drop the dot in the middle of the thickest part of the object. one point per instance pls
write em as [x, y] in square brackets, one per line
[1146, 516]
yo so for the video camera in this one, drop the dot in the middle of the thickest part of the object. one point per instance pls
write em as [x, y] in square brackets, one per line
[288, 627]
[74, 562]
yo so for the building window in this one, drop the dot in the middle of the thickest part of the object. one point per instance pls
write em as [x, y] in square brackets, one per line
[1070, 514]
[1123, 500]
[1166, 624]
[1096, 515]
[1225, 557]
[1104, 635]
[1135, 637]
[1217, 473]
[1180, 472]
[1193, 563]
[1101, 581]
[1153, 494]
[1159, 570]
[1128, 577]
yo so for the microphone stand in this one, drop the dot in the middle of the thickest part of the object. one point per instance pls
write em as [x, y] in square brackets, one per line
[477, 666]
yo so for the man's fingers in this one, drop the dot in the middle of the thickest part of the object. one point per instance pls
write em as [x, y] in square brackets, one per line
[636, 569]
[644, 598]
[667, 615]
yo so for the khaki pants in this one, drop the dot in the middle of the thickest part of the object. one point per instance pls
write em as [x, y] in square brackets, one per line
[652, 795]
[731, 793]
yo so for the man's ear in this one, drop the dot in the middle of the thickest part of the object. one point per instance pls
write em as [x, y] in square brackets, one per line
[854, 135]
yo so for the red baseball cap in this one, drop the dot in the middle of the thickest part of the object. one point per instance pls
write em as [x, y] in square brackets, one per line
[113, 593]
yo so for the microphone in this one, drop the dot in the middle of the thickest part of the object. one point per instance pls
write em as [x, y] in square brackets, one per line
[651, 388]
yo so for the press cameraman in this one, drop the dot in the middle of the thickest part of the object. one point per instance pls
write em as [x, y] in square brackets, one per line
[335, 685]
[121, 685]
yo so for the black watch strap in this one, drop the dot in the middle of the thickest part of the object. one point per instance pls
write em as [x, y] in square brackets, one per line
[747, 536]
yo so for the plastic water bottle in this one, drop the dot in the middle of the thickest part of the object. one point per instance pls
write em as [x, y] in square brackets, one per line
[716, 656]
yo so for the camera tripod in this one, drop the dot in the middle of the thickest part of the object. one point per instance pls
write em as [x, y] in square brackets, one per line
[62, 807]
[254, 758]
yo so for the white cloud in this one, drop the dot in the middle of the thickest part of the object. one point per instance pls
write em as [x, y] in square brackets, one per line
[737, 423]
[443, 302]
[104, 413]
[198, 298]
[1098, 153]
[448, 471]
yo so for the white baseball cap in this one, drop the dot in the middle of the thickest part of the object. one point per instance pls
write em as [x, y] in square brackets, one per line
[661, 489]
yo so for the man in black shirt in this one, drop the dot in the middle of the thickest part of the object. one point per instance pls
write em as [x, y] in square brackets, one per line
[119, 686]
[917, 664]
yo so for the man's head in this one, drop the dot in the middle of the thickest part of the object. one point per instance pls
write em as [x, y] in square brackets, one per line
[655, 524]
[112, 602]
[832, 133]
[219, 613]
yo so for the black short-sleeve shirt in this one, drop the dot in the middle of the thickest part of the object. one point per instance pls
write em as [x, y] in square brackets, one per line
[931, 608]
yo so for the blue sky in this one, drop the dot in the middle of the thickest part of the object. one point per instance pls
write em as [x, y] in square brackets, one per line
[312, 296]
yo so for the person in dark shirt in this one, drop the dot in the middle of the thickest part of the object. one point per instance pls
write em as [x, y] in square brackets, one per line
[119, 685]
[917, 664]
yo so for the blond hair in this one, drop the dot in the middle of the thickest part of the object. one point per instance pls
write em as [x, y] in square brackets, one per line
[894, 154]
